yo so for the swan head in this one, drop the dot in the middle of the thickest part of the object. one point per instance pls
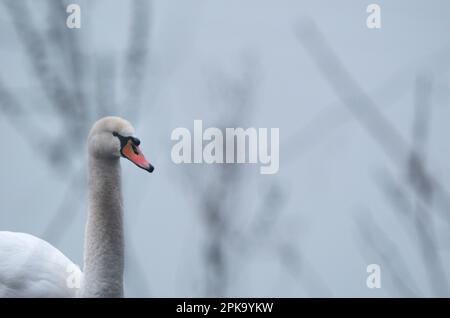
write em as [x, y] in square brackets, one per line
[112, 138]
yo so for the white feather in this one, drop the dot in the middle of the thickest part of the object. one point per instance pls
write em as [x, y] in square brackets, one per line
[31, 267]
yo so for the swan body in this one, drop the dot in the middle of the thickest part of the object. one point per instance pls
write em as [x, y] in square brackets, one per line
[32, 267]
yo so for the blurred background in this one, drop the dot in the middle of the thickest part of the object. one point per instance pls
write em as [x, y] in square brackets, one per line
[363, 117]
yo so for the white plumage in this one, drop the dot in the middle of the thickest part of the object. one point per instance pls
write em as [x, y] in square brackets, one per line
[31, 267]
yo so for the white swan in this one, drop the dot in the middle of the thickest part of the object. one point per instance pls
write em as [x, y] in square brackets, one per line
[31, 267]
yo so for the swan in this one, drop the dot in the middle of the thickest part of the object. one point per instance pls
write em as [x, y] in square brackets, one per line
[31, 267]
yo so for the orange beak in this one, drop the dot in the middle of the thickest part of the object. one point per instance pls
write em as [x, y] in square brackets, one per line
[134, 154]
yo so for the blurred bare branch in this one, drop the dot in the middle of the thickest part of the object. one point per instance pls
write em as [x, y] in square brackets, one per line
[417, 216]
[366, 112]
[16, 114]
[388, 253]
[105, 88]
[420, 180]
[222, 194]
[334, 116]
[36, 48]
[136, 60]
[422, 214]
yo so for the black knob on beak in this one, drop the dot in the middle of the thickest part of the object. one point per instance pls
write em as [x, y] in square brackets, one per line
[135, 141]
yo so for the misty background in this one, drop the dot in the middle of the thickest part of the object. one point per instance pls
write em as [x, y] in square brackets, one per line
[363, 117]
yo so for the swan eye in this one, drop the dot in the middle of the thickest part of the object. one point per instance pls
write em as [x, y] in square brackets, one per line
[115, 134]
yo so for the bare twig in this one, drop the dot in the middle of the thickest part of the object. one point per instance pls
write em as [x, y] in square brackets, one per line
[365, 110]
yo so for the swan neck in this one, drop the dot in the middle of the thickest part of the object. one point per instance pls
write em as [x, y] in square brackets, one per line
[104, 251]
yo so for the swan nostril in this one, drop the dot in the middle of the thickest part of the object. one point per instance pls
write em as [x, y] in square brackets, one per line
[136, 152]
